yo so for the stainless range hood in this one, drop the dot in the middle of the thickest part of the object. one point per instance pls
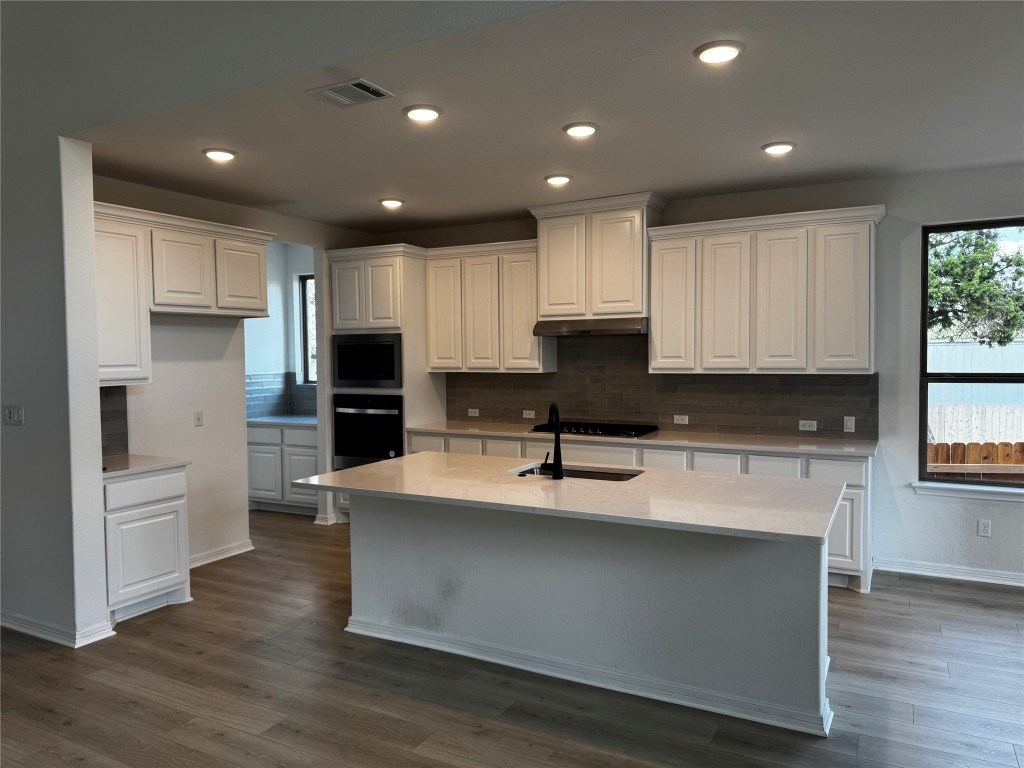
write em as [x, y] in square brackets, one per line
[607, 326]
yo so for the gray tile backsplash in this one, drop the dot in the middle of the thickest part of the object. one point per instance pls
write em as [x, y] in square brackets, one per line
[114, 420]
[278, 394]
[606, 379]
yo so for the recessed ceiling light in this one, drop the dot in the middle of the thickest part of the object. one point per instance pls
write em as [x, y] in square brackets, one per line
[779, 147]
[422, 113]
[580, 130]
[391, 202]
[719, 52]
[220, 155]
[558, 179]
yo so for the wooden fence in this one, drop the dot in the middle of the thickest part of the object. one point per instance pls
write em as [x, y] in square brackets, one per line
[1003, 462]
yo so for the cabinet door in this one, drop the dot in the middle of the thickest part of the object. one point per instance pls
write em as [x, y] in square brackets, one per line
[615, 242]
[480, 329]
[419, 443]
[845, 537]
[183, 271]
[122, 303]
[673, 305]
[561, 266]
[842, 297]
[384, 292]
[780, 277]
[497, 446]
[520, 349]
[712, 461]
[474, 446]
[147, 551]
[299, 463]
[664, 458]
[347, 308]
[241, 276]
[265, 472]
[725, 298]
[444, 315]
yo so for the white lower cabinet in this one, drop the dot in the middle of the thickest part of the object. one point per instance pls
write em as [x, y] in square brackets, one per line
[773, 466]
[496, 446]
[418, 443]
[146, 528]
[710, 461]
[277, 456]
[584, 453]
[845, 540]
[471, 445]
[664, 459]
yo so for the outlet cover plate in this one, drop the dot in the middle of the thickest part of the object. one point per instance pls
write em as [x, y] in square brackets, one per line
[14, 415]
[680, 418]
[849, 423]
[474, 411]
[529, 414]
[985, 528]
[808, 425]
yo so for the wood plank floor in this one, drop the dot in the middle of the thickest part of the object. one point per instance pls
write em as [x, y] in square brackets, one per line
[257, 672]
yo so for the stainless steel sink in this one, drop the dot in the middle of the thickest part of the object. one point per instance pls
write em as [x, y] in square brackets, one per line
[611, 474]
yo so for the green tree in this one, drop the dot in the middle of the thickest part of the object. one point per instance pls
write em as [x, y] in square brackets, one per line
[975, 289]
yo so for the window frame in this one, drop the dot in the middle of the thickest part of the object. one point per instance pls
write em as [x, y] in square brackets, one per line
[303, 280]
[927, 378]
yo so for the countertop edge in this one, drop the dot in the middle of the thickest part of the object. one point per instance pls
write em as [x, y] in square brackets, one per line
[143, 464]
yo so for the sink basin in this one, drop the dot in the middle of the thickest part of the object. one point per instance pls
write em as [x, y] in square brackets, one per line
[581, 472]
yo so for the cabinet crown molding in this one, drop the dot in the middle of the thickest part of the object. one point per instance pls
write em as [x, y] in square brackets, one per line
[370, 251]
[636, 200]
[110, 212]
[483, 249]
[872, 213]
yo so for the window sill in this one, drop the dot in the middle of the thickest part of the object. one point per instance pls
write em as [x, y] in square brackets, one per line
[965, 491]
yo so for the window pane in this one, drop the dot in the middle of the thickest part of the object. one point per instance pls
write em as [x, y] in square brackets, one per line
[975, 314]
[309, 322]
[976, 432]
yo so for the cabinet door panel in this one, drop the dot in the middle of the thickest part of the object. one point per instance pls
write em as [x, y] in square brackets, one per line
[241, 276]
[481, 333]
[347, 308]
[664, 459]
[725, 296]
[616, 270]
[265, 472]
[673, 305]
[444, 314]
[496, 446]
[122, 302]
[844, 538]
[299, 463]
[780, 339]
[147, 551]
[383, 292]
[842, 297]
[520, 349]
[773, 466]
[561, 266]
[183, 270]
[473, 446]
[708, 461]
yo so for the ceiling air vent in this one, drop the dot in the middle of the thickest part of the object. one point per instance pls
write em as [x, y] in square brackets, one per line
[351, 92]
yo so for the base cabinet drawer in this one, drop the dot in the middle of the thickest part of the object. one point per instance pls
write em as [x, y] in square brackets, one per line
[495, 446]
[419, 443]
[147, 551]
[584, 453]
[473, 446]
[852, 472]
[708, 461]
[663, 458]
[773, 466]
[845, 543]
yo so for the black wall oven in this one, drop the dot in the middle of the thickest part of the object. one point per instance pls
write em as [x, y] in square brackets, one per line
[367, 428]
[367, 360]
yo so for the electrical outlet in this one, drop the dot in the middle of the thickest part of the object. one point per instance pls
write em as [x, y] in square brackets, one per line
[15, 415]
[197, 418]
[474, 411]
[985, 528]
[680, 418]
[529, 415]
[849, 424]
[808, 425]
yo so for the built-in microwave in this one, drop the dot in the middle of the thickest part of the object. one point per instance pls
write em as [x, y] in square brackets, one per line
[368, 360]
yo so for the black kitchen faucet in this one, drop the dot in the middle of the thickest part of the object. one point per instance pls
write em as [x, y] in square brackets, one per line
[555, 467]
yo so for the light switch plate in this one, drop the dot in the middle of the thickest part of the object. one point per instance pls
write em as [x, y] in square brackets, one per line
[14, 415]
[197, 418]
[849, 424]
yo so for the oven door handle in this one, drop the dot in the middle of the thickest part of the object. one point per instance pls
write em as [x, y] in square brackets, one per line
[370, 411]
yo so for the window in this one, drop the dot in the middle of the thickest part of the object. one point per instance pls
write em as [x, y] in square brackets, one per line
[307, 291]
[972, 353]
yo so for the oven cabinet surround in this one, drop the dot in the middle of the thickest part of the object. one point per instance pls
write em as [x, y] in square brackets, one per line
[366, 288]
[788, 293]
[457, 553]
[280, 450]
[146, 524]
[195, 267]
[592, 256]
[849, 539]
[481, 309]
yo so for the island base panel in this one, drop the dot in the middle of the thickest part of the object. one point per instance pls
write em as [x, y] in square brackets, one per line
[720, 623]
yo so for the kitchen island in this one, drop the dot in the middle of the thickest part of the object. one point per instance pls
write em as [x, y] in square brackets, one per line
[692, 588]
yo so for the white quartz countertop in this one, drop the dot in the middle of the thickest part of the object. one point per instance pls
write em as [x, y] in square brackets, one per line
[282, 421]
[730, 505]
[135, 463]
[667, 438]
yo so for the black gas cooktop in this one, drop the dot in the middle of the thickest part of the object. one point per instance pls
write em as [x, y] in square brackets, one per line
[606, 429]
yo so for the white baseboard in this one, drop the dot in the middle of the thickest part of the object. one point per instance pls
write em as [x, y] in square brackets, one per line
[942, 571]
[817, 723]
[55, 634]
[174, 597]
[219, 554]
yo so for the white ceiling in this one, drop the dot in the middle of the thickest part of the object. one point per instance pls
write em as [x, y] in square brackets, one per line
[865, 89]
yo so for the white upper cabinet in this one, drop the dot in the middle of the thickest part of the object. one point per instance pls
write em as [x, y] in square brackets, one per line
[725, 294]
[674, 304]
[365, 292]
[241, 276]
[780, 280]
[520, 349]
[444, 314]
[480, 317]
[183, 269]
[122, 302]
[792, 292]
[843, 296]
[592, 256]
